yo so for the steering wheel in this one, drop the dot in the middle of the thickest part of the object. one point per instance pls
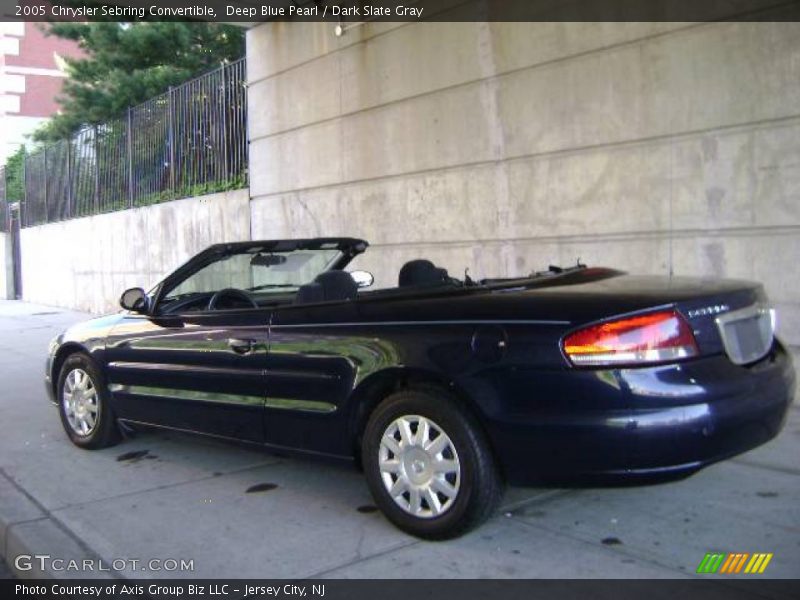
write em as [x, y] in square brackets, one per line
[231, 293]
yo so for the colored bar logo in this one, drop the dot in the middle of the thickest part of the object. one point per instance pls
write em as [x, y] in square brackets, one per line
[734, 562]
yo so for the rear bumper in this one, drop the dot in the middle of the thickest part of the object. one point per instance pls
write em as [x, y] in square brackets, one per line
[651, 423]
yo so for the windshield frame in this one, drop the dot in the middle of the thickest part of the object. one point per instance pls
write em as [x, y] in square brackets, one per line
[349, 248]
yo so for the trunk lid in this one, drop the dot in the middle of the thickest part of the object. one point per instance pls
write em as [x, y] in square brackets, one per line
[745, 326]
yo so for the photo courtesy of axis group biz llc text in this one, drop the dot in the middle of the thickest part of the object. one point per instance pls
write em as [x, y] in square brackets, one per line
[175, 589]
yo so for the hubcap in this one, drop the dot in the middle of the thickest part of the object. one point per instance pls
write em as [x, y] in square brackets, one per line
[80, 402]
[419, 466]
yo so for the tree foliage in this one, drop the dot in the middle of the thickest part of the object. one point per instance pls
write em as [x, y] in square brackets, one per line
[15, 176]
[127, 63]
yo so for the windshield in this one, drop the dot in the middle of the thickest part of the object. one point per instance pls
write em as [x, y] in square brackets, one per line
[257, 270]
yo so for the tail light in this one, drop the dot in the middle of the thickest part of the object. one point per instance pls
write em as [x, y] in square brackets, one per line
[643, 339]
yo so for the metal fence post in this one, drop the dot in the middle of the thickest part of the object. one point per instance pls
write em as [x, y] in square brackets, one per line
[225, 162]
[171, 134]
[130, 158]
[69, 177]
[96, 202]
[46, 204]
[23, 208]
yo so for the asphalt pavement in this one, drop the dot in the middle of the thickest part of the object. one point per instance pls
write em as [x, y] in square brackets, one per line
[170, 505]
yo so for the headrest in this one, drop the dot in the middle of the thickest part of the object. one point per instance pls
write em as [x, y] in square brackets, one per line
[337, 285]
[421, 272]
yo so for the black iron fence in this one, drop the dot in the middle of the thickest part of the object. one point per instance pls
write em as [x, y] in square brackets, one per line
[192, 140]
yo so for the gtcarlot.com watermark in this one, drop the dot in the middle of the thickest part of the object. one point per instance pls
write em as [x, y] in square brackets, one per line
[45, 562]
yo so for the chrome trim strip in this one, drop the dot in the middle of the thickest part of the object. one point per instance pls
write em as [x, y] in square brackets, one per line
[240, 399]
[415, 323]
[199, 369]
[300, 405]
[303, 374]
[184, 394]
[232, 371]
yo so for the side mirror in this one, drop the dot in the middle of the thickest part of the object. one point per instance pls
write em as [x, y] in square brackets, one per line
[134, 299]
[362, 278]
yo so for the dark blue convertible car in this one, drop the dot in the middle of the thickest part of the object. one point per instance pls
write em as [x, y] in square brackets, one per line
[442, 389]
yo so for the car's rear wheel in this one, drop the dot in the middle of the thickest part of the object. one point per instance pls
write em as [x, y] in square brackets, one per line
[83, 404]
[428, 465]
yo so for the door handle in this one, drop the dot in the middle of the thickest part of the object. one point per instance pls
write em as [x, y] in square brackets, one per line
[241, 346]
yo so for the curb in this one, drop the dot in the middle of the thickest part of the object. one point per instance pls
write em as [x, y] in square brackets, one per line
[28, 529]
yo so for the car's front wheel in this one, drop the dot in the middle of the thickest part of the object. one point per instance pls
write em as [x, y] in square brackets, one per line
[428, 465]
[83, 404]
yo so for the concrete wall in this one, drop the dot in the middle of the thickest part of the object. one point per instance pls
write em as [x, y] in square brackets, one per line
[6, 268]
[87, 263]
[504, 147]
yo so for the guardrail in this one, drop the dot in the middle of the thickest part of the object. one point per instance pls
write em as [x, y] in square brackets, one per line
[189, 141]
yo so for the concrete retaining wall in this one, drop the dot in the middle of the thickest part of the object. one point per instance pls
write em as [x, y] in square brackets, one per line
[85, 264]
[501, 147]
[505, 147]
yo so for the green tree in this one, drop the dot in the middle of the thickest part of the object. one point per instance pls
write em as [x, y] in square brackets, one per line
[15, 176]
[127, 63]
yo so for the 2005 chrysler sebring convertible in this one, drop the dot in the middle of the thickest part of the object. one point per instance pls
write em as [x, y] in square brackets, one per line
[442, 389]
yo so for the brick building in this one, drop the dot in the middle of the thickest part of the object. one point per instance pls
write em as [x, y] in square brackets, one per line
[31, 76]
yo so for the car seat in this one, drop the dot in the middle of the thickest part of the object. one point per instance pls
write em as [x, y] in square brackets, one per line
[328, 287]
[422, 272]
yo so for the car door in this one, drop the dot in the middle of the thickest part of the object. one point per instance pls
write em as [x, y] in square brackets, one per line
[202, 371]
[312, 365]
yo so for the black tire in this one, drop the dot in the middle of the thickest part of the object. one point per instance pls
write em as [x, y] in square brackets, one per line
[105, 432]
[479, 488]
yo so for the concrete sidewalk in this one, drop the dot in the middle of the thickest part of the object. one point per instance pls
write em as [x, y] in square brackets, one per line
[5, 572]
[238, 512]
